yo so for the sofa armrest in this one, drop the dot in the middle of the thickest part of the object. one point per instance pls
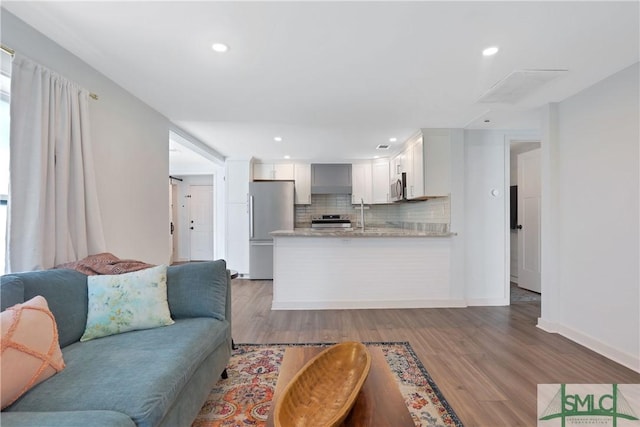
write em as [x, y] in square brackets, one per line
[66, 419]
[199, 289]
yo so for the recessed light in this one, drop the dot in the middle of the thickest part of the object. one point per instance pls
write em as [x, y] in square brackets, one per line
[219, 47]
[277, 138]
[490, 51]
[376, 157]
[393, 139]
[287, 156]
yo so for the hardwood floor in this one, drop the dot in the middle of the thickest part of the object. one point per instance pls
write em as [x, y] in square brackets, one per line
[485, 360]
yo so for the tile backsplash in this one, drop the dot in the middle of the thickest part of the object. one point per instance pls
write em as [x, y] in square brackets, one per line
[429, 215]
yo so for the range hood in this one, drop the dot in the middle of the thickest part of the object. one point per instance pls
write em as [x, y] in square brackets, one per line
[331, 178]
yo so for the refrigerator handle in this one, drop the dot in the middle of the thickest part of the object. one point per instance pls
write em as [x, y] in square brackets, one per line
[251, 217]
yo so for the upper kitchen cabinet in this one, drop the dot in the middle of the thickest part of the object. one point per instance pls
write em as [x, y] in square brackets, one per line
[397, 166]
[361, 183]
[273, 171]
[415, 168]
[302, 176]
[427, 163]
[380, 179]
[437, 159]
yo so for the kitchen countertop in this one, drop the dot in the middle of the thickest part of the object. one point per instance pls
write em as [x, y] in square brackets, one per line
[356, 232]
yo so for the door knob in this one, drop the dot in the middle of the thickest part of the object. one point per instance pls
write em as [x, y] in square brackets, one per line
[192, 228]
[519, 227]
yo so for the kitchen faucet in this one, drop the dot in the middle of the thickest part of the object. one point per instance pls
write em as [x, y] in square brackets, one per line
[362, 213]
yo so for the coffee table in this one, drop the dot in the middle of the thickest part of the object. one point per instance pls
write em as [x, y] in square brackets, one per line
[379, 402]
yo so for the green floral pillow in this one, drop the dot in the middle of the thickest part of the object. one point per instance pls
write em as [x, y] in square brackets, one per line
[127, 302]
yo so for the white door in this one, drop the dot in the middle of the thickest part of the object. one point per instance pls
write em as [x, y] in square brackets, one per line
[201, 222]
[173, 193]
[529, 220]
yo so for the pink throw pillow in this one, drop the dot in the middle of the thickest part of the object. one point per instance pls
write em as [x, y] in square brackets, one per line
[30, 349]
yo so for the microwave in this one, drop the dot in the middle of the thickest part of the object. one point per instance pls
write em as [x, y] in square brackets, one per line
[398, 188]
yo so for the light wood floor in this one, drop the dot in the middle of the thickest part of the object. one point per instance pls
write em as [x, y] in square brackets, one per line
[485, 360]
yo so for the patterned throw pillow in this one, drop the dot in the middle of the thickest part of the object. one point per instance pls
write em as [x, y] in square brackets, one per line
[30, 349]
[127, 302]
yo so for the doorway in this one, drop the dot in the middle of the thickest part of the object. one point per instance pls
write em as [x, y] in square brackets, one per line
[173, 196]
[525, 224]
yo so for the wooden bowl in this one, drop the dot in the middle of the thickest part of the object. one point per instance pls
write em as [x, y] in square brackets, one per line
[323, 392]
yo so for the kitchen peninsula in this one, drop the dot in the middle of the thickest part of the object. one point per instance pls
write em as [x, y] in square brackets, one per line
[374, 268]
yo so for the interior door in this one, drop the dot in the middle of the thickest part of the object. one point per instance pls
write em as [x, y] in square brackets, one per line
[173, 226]
[201, 222]
[529, 220]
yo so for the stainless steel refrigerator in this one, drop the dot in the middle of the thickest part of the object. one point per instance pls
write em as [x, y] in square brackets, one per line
[271, 207]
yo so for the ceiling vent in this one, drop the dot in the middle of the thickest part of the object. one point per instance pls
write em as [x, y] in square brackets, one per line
[518, 84]
[383, 146]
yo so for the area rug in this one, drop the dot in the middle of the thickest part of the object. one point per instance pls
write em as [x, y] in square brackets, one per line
[244, 398]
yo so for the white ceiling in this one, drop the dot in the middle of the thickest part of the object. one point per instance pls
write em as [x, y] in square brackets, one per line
[335, 79]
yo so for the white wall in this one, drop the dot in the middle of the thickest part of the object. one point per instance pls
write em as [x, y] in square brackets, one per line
[486, 220]
[484, 217]
[130, 145]
[593, 163]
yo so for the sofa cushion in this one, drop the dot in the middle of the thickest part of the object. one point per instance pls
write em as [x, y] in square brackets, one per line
[30, 349]
[65, 419]
[127, 302]
[11, 291]
[197, 289]
[139, 373]
[66, 294]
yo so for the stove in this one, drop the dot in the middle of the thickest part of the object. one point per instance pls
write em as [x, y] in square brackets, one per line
[330, 221]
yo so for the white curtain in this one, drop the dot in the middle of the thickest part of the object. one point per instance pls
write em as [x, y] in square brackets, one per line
[53, 205]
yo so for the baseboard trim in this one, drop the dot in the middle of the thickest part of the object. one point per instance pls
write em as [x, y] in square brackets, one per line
[347, 305]
[474, 302]
[625, 359]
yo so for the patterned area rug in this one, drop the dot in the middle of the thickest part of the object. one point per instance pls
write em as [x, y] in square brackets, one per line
[244, 399]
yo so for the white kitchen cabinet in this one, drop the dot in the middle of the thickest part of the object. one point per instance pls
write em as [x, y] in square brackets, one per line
[238, 175]
[361, 183]
[283, 171]
[237, 180]
[237, 237]
[273, 171]
[380, 181]
[397, 166]
[427, 163]
[302, 176]
[262, 171]
[415, 172]
[437, 160]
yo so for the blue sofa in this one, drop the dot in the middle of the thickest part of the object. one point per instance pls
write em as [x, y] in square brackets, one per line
[153, 377]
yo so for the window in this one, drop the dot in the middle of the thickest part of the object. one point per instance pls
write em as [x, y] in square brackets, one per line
[5, 90]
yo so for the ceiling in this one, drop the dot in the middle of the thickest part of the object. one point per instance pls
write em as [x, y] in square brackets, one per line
[335, 79]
